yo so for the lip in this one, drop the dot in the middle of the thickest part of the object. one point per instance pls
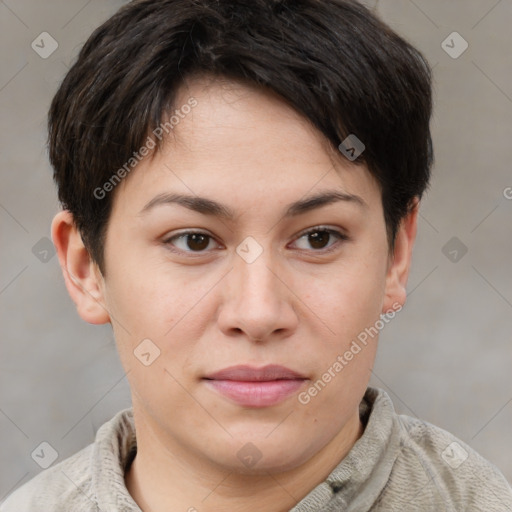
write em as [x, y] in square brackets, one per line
[255, 387]
[252, 374]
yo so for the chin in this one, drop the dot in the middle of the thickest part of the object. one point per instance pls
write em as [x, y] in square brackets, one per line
[257, 455]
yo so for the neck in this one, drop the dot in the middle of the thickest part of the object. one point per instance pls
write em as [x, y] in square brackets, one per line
[167, 478]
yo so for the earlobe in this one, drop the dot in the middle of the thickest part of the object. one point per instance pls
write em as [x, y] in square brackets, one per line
[82, 278]
[400, 261]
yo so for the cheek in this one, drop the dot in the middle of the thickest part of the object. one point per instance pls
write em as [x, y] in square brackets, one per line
[141, 307]
[171, 310]
[349, 298]
[343, 361]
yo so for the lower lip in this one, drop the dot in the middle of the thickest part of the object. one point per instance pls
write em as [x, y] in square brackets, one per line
[256, 394]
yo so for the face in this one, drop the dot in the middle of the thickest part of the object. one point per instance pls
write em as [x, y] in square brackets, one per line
[247, 318]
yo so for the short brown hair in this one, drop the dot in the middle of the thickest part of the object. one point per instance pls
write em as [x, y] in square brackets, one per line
[333, 61]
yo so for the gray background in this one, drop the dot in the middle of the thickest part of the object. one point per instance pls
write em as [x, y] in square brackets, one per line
[447, 359]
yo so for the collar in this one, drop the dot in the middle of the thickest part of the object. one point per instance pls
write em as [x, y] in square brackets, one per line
[354, 484]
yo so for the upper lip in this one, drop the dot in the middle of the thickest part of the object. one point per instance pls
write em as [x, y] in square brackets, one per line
[251, 374]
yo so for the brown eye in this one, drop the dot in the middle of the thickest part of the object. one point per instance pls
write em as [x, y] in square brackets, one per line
[190, 242]
[197, 242]
[318, 239]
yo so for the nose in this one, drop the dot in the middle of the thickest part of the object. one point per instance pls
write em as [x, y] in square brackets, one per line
[258, 301]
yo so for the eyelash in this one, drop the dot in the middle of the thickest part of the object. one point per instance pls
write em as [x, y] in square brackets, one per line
[317, 229]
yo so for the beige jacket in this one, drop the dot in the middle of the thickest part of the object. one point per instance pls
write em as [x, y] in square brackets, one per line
[399, 464]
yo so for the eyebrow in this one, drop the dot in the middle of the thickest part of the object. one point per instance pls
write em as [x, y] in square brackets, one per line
[207, 206]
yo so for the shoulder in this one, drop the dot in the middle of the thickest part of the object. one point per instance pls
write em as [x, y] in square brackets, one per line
[59, 488]
[88, 481]
[453, 473]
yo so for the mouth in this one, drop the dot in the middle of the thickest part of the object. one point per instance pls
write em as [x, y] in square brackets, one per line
[255, 387]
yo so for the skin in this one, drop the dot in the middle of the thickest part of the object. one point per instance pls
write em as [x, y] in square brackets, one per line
[295, 305]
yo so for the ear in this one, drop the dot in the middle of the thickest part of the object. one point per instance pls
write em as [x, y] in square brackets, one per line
[400, 260]
[83, 279]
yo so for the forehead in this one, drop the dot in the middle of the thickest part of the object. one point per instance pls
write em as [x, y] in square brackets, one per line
[241, 144]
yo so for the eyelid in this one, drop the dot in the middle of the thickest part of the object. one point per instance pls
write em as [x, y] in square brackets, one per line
[323, 227]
